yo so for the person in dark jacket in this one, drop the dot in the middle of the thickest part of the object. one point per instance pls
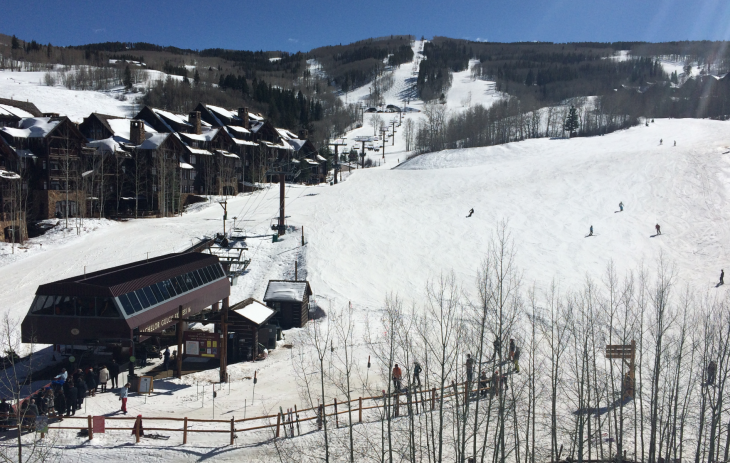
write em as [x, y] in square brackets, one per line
[722, 276]
[60, 403]
[90, 380]
[166, 358]
[80, 392]
[5, 410]
[114, 373]
[31, 412]
[72, 398]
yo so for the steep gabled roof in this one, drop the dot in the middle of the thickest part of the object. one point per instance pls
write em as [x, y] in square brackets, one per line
[24, 105]
[287, 291]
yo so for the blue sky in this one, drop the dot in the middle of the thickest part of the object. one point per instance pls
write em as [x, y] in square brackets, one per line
[302, 25]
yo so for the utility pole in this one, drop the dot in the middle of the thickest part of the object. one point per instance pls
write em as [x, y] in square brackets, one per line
[224, 205]
[382, 133]
[336, 164]
[282, 198]
[224, 342]
[393, 122]
[179, 341]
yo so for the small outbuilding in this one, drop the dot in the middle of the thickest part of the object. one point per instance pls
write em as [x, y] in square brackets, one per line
[290, 300]
[249, 326]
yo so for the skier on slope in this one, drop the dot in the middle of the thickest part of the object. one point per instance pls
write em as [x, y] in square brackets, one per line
[471, 212]
[658, 229]
[590, 233]
[621, 206]
[722, 277]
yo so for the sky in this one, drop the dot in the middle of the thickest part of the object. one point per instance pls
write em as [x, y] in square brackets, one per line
[300, 25]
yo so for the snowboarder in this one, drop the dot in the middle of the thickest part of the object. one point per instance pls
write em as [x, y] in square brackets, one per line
[471, 212]
[658, 229]
[469, 368]
[397, 375]
[516, 358]
[621, 206]
[590, 233]
[711, 370]
[123, 395]
[417, 374]
[511, 349]
[722, 276]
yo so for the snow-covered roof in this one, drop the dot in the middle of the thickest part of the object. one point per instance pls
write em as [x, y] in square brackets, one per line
[285, 134]
[32, 127]
[223, 112]
[121, 128]
[256, 126]
[205, 136]
[244, 142]
[309, 161]
[320, 158]
[154, 141]
[199, 151]
[286, 291]
[282, 145]
[255, 117]
[237, 129]
[7, 110]
[185, 165]
[226, 154]
[107, 145]
[8, 175]
[178, 119]
[296, 143]
[256, 312]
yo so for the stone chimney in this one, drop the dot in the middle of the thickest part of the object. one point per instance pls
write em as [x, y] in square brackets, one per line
[303, 134]
[243, 115]
[136, 132]
[194, 120]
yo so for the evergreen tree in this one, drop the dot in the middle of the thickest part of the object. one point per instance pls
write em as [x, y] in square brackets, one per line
[15, 43]
[530, 78]
[571, 122]
[127, 78]
[196, 78]
[49, 50]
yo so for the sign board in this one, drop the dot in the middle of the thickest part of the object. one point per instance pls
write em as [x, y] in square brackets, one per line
[202, 344]
[145, 385]
[98, 424]
[41, 424]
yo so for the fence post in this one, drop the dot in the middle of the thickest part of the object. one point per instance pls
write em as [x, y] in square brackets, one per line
[136, 429]
[360, 409]
[296, 414]
[278, 424]
[91, 428]
[433, 398]
[337, 417]
[185, 431]
[233, 429]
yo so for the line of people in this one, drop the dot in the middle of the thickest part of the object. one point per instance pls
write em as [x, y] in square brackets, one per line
[497, 378]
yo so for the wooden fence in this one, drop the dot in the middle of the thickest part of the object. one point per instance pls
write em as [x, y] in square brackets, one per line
[416, 401]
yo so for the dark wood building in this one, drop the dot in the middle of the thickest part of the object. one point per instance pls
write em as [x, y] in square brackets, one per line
[290, 300]
[120, 303]
[12, 111]
[249, 327]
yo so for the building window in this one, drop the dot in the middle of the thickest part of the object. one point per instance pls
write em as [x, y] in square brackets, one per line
[192, 159]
